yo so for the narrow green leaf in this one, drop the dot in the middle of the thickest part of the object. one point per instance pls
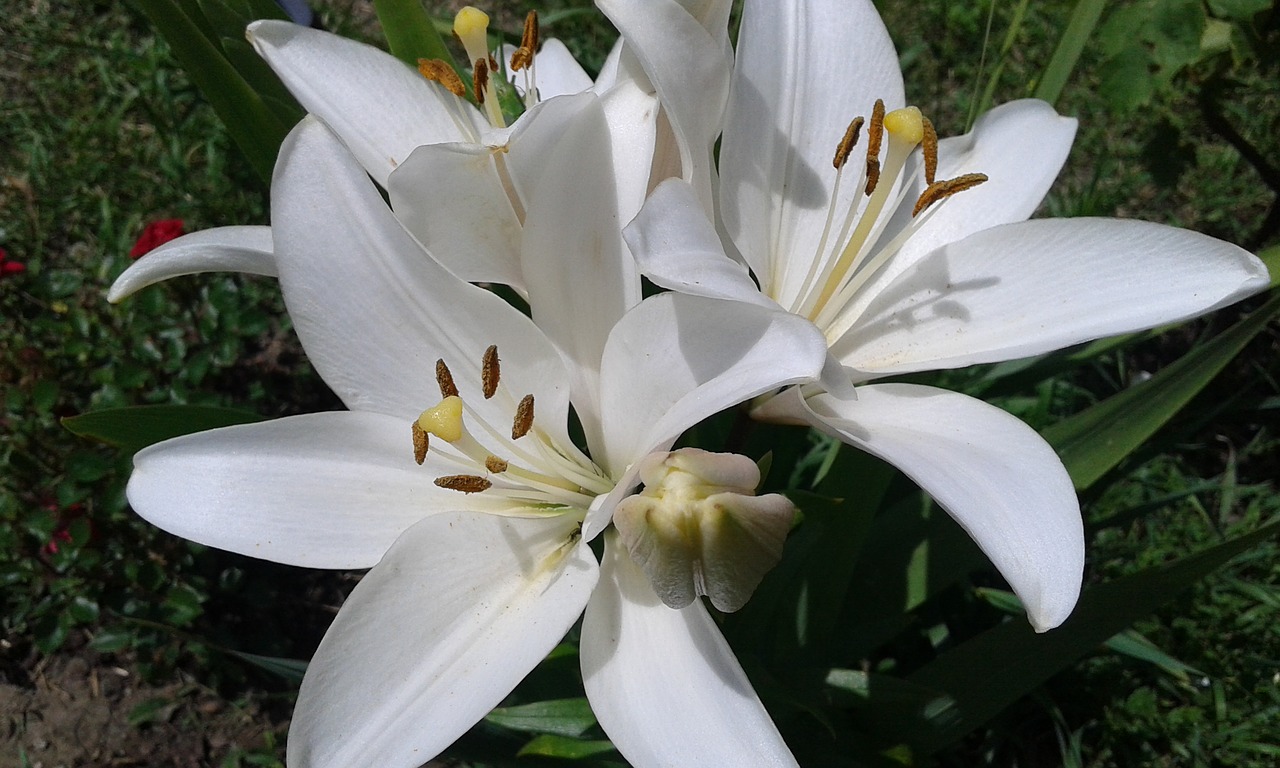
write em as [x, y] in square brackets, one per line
[132, 429]
[563, 717]
[1084, 18]
[291, 670]
[1098, 438]
[548, 745]
[994, 669]
[411, 34]
[1135, 645]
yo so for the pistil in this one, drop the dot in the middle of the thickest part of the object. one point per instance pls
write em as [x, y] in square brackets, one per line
[471, 25]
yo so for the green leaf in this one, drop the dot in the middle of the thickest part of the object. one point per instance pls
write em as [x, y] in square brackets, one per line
[411, 34]
[1079, 29]
[994, 669]
[563, 747]
[134, 428]
[563, 717]
[291, 670]
[1098, 438]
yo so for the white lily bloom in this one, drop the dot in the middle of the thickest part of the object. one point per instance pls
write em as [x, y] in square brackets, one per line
[480, 558]
[908, 267]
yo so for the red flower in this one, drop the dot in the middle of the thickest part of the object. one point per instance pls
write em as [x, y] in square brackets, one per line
[10, 267]
[156, 234]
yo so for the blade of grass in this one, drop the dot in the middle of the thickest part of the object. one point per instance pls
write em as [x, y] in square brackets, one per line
[1084, 18]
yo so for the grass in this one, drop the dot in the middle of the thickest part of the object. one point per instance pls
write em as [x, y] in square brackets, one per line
[102, 134]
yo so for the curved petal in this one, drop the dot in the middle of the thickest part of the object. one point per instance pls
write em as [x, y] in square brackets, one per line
[992, 473]
[380, 107]
[455, 615]
[805, 68]
[221, 249]
[636, 651]
[677, 248]
[632, 114]
[323, 490]
[1021, 146]
[374, 311]
[675, 360]
[1028, 288]
[688, 65]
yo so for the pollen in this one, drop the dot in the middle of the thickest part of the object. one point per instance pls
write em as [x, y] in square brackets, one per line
[906, 124]
[496, 465]
[490, 371]
[444, 420]
[875, 134]
[941, 190]
[480, 78]
[522, 58]
[444, 377]
[438, 71]
[420, 441]
[930, 148]
[847, 143]
[523, 421]
[464, 483]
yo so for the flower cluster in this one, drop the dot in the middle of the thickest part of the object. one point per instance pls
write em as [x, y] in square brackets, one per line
[834, 242]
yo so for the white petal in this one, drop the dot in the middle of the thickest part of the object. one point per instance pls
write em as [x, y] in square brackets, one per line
[374, 311]
[380, 107]
[1020, 146]
[664, 684]
[632, 114]
[689, 66]
[1028, 288]
[456, 614]
[992, 473]
[450, 197]
[805, 68]
[323, 490]
[675, 360]
[558, 73]
[677, 248]
[222, 249]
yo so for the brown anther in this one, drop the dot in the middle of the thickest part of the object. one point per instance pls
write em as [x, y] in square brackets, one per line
[847, 143]
[440, 72]
[523, 56]
[490, 371]
[495, 465]
[523, 421]
[480, 79]
[875, 134]
[464, 483]
[941, 190]
[929, 144]
[419, 443]
[445, 379]
[873, 174]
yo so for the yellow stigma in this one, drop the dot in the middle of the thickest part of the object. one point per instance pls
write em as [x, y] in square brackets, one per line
[906, 124]
[471, 25]
[444, 420]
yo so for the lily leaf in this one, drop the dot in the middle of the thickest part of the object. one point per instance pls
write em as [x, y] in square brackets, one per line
[994, 669]
[132, 429]
[411, 33]
[1084, 18]
[1098, 438]
[563, 717]
[548, 745]
[290, 670]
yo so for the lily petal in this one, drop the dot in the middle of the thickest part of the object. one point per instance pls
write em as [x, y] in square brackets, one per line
[322, 490]
[475, 602]
[805, 68]
[992, 473]
[380, 107]
[375, 311]
[635, 651]
[1028, 288]
[222, 249]
[558, 72]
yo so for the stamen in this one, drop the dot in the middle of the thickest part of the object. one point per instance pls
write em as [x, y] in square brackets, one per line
[480, 79]
[875, 132]
[847, 143]
[941, 190]
[464, 483]
[490, 371]
[523, 421]
[930, 147]
[495, 465]
[440, 72]
[523, 56]
[419, 444]
[445, 379]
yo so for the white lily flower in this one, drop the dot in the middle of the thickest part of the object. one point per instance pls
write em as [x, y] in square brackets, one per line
[480, 558]
[919, 257]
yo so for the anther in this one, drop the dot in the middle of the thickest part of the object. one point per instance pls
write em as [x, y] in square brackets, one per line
[523, 56]
[941, 190]
[847, 143]
[495, 465]
[445, 379]
[875, 133]
[480, 79]
[523, 421]
[464, 483]
[440, 72]
[419, 443]
[930, 147]
[490, 371]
